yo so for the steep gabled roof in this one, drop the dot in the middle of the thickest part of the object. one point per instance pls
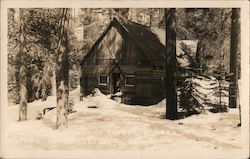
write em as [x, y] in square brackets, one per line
[146, 40]
[142, 35]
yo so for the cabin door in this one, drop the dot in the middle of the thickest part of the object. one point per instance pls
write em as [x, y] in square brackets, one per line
[116, 83]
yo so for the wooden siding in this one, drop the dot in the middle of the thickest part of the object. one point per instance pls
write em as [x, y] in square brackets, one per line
[110, 47]
[117, 48]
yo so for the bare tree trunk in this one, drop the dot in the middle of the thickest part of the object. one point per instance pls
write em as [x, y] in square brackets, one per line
[233, 58]
[171, 99]
[199, 55]
[82, 85]
[62, 76]
[23, 93]
[43, 92]
[53, 82]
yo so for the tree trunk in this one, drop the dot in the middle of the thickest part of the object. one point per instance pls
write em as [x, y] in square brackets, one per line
[43, 92]
[150, 19]
[53, 82]
[23, 93]
[199, 55]
[62, 76]
[171, 96]
[233, 58]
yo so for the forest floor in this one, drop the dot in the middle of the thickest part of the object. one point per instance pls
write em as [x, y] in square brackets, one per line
[116, 126]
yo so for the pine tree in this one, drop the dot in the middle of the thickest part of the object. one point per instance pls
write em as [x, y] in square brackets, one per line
[204, 24]
[171, 107]
[220, 90]
[187, 101]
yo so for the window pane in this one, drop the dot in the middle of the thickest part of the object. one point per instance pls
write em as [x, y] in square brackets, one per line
[130, 80]
[103, 80]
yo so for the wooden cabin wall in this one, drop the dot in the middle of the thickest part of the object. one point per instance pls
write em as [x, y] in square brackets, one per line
[149, 86]
[142, 59]
[149, 89]
[110, 45]
[91, 75]
[141, 93]
[108, 48]
[133, 62]
[143, 84]
[158, 85]
[99, 62]
[115, 46]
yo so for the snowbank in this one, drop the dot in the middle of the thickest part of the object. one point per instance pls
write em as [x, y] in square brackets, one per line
[115, 126]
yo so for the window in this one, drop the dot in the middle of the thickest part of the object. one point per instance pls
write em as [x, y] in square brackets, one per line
[130, 80]
[103, 80]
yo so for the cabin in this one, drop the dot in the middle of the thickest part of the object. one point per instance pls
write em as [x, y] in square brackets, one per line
[128, 58]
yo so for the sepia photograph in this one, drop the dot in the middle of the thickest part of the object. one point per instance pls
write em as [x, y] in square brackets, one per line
[125, 81]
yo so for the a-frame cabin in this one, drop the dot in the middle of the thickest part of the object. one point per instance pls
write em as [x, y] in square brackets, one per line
[127, 57]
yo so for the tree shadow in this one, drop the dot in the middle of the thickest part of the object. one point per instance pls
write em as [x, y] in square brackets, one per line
[185, 114]
[181, 115]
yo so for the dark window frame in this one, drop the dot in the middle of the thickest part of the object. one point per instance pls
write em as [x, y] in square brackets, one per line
[100, 81]
[128, 84]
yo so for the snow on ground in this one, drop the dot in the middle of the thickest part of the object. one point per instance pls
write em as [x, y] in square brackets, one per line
[116, 126]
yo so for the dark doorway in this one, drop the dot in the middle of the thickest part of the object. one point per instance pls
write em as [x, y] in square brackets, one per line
[116, 82]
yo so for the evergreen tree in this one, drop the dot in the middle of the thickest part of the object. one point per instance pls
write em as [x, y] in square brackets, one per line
[187, 98]
[43, 31]
[210, 26]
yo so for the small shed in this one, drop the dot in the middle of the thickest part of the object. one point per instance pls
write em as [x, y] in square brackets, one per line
[129, 58]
